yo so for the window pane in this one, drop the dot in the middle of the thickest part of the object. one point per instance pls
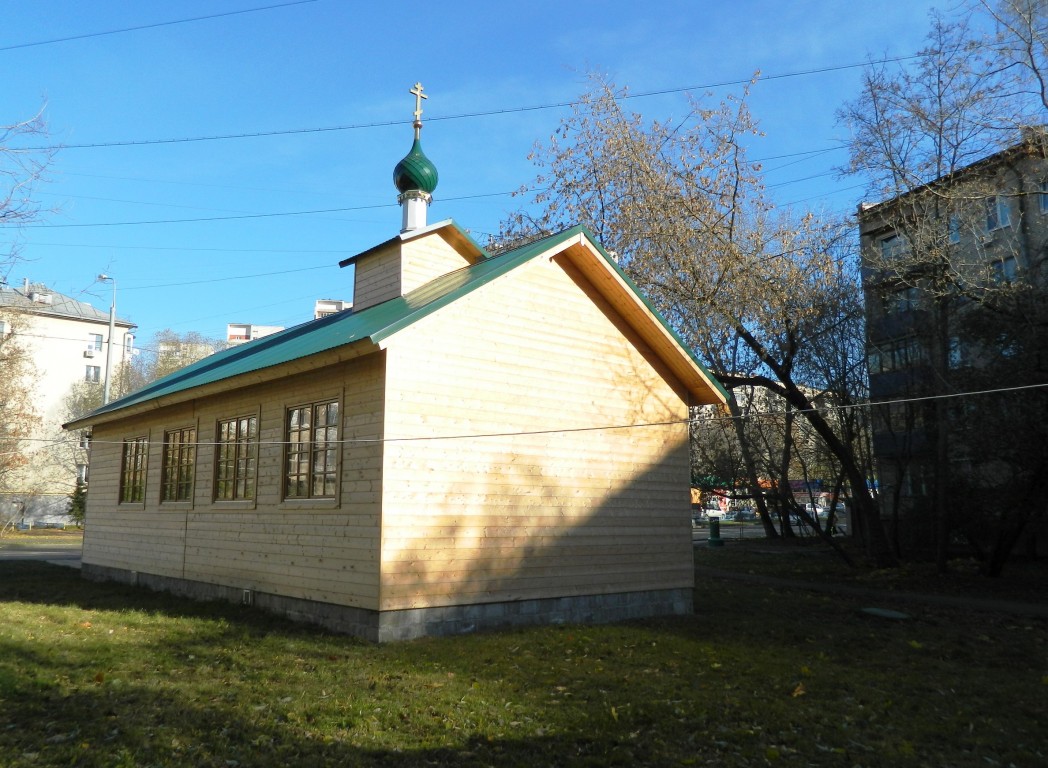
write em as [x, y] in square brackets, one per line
[133, 470]
[310, 456]
[236, 454]
[178, 465]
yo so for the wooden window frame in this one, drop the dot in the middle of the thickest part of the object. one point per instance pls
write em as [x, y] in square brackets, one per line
[134, 461]
[179, 465]
[236, 458]
[311, 460]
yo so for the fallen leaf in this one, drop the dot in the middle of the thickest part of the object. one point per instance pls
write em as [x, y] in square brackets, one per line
[798, 691]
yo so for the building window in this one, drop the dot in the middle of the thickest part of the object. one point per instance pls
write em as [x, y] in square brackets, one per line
[902, 300]
[133, 471]
[236, 459]
[176, 483]
[953, 228]
[893, 246]
[129, 342]
[957, 354]
[997, 213]
[1005, 270]
[312, 451]
[1042, 197]
[895, 356]
[94, 341]
[3, 328]
[93, 373]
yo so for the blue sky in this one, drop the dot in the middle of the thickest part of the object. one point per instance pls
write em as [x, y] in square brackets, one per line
[337, 64]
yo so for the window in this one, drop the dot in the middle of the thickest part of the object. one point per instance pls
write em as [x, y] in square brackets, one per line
[129, 342]
[133, 471]
[1042, 197]
[953, 228]
[893, 245]
[957, 354]
[94, 341]
[93, 373]
[902, 300]
[1005, 270]
[997, 213]
[312, 451]
[895, 355]
[236, 459]
[3, 327]
[176, 483]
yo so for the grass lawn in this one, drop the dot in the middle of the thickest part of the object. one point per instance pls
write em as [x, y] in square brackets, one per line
[71, 538]
[106, 675]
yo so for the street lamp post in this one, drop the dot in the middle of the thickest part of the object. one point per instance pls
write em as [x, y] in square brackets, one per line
[109, 344]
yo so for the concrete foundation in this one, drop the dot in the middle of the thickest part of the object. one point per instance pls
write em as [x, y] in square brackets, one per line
[385, 626]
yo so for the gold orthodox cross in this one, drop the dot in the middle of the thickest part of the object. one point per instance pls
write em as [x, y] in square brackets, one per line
[419, 96]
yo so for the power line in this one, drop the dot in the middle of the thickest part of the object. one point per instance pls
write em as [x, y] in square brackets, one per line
[471, 115]
[600, 428]
[252, 215]
[87, 35]
[188, 248]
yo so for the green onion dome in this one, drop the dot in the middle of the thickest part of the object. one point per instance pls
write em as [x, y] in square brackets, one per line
[415, 172]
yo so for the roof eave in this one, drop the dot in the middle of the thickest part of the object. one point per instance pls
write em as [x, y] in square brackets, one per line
[600, 268]
[107, 414]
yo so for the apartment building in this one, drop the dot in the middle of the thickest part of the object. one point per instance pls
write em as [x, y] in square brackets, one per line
[68, 343]
[954, 279]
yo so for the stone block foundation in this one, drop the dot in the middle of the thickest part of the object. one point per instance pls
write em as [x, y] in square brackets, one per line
[385, 626]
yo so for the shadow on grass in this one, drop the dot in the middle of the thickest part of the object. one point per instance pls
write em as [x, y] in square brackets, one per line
[110, 675]
[48, 584]
[130, 725]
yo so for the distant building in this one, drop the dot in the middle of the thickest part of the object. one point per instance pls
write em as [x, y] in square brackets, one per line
[178, 354]
[927, 255]
[325, 307]
[67, 341]
[238, 333]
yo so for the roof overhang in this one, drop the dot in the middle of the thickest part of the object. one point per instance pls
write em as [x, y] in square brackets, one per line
[250, 378]
[583, 254]
[458, 238]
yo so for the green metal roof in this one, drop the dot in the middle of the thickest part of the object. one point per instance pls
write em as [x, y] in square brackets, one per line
[374, 323]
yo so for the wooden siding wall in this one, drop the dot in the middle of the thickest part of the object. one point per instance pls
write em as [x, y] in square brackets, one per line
[428, 258]
[377, 278]
[315, 550]
[552, 513]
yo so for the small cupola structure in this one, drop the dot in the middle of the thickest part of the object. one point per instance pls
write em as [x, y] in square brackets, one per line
[421, 252]
[415, 176]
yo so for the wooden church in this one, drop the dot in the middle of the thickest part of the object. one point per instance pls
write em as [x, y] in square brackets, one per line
[483, 440]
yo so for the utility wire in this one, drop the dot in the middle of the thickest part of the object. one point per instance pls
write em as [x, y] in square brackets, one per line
[241, 217]
[471, 115]
[609, 427]
[173, 22]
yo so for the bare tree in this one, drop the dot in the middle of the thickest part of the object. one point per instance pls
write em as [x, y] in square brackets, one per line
[22, 168]
[747, 287]
[167, 352]
[1020, 43]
